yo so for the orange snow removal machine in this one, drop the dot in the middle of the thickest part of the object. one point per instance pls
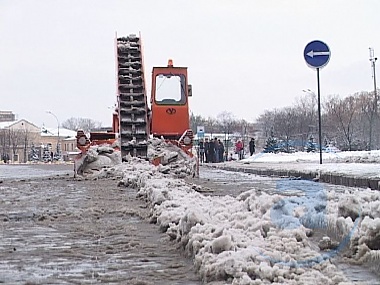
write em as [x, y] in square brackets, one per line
[133, 121]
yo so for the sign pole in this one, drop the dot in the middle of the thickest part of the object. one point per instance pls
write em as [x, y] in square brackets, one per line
[319, 119]
[317, 55]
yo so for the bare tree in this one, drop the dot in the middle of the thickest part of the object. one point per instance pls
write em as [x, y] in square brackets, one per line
[307, 117]
[266, 122]
[195, 121]
[226, 120]
[343, 111]
[4, 143]
[81, 123]
[285, 122]
[243, 127]
[226, 123]
[345, 121]
[211, 125]
[368, 110]
[16, 138]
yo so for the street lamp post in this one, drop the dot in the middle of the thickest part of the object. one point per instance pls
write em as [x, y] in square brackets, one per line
[373, 59]
[58, 140]
[25, 142]
[373, 113]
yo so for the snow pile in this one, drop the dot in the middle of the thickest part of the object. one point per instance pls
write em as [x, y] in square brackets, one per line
[97, 158]
[101, 161]
[366, 241]
[291, 157]
[330, 156]
[287, 236]
[260, 238]
[358, 157]
[172, 159]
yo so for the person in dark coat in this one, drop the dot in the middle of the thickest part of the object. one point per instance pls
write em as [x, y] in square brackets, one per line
[216, 150]
[207, 150]
[201, 151]
[252, 146]
[221, 151]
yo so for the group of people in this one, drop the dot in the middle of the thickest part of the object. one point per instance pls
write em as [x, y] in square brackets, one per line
[212, 151]
[239, 149]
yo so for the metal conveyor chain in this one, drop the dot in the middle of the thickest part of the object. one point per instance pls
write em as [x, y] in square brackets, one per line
[132, 101]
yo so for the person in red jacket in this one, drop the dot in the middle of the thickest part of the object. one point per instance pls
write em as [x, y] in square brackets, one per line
[239, 149]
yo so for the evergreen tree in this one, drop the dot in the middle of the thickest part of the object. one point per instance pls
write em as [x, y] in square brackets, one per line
[34, 153]
[46, 156]
[286, 146]
[271, 144]
[311, 146]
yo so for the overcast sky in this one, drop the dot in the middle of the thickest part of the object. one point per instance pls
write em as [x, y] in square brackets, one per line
[243, 56]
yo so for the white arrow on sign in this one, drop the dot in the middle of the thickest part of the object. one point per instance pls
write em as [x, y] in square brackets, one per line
[316, 53]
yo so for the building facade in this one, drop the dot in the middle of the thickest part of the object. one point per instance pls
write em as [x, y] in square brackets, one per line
[7, 116]
[16, 137]
[21, 142]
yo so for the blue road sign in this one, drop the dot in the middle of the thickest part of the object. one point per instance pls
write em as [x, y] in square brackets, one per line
[200, 131]
[317, 54]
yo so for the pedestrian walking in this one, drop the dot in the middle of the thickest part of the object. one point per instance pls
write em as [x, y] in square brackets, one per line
[252, 146]
[239, 149]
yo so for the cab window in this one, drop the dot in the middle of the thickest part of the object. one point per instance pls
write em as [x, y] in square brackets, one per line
[170, 89]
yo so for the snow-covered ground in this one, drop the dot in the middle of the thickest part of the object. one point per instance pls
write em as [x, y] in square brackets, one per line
[348, 163]
[358, 164]
[330, 156]
[265, 238]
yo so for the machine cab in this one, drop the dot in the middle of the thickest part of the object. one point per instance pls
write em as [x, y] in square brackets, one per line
[169, 102]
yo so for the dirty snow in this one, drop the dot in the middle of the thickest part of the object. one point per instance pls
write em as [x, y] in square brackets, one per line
[260, 238]
[172, 159]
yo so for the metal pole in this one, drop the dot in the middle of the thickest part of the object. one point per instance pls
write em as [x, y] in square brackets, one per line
[225, 146]
[319, 119]
[373, 59]
[374, 84]
[25, 146]
[375, 91]
[25, 141]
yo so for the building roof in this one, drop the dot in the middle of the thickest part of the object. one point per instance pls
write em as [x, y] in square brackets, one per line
[11, 123]
[53, 132]
[45, 132]
[6, 124]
